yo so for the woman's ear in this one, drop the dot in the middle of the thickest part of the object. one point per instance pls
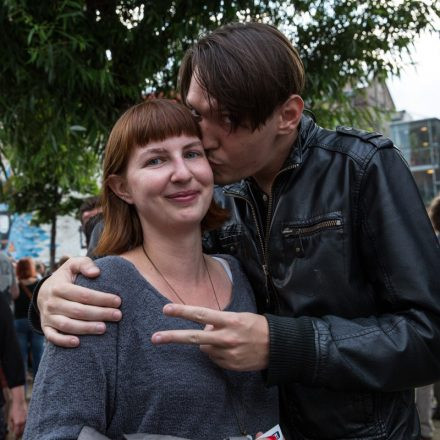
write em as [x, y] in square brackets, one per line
[290, 113]
[118, 185]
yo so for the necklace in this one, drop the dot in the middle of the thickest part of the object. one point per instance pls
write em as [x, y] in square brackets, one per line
[172, 288]
[235, 402]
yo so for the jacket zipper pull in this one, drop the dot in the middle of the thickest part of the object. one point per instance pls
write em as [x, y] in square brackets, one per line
[266, 273]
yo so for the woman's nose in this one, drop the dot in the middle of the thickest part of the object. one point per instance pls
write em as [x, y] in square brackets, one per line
[181, 172]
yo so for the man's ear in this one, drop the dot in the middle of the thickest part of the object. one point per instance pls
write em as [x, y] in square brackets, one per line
[118, 185]
[290, 113]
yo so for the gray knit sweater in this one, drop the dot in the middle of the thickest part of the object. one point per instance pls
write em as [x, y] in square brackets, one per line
[119, 383]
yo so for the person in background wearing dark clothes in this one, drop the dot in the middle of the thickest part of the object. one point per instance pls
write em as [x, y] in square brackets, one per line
[434, 215]
[29, 340]
[90, 213]
[425, 400]
[8, 282]
[12, 364]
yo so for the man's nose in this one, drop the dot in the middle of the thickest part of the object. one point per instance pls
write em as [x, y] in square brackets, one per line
[209, 139]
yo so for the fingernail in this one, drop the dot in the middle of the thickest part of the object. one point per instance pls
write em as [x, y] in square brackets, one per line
[117, 315]
[74, 342]
[157, 339]
[100, 328]
[168, 308]
[117, 301]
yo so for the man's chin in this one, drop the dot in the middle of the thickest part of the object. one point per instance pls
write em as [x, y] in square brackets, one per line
[222, 179]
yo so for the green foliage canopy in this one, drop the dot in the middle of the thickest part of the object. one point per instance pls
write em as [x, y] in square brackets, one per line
[70, 67]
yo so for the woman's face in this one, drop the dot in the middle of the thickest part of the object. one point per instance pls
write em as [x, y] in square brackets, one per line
[170, 182]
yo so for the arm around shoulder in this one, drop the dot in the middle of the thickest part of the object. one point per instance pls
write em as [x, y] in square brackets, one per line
[74, 388]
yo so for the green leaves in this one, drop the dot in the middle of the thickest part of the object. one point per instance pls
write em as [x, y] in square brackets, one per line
[70, 68]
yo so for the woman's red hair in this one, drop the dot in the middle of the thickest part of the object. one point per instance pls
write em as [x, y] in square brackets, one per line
[26, 268]
[151, 121]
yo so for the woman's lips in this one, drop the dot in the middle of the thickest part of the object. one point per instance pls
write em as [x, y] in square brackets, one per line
[183, 196]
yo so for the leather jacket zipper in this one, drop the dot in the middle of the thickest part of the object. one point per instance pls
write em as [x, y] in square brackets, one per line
[264, 243]
[266, 254]
[307, 230]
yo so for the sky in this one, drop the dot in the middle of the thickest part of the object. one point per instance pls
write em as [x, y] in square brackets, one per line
[418, 88]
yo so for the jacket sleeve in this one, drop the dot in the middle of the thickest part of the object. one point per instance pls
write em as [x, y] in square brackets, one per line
[10, 356]
[399, 347]
[74, 387]
[33, 312]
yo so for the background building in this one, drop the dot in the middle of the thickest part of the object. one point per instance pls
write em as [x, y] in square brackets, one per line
[419, 142]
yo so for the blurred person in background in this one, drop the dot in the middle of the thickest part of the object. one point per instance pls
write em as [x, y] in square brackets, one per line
[8, 282]
[13, 370]
[40, 267]
[434, 215]
[62, 260]
[426, 403]
[90, 213]
[30, 341]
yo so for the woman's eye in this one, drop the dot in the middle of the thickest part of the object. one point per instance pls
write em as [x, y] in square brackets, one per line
[154, 161]
[193, 154]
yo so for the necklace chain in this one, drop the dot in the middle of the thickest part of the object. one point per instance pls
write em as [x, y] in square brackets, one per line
[172, 288]
[228, 385]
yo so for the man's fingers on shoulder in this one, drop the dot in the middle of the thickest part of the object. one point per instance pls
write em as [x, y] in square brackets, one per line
[76, 327]
[57, 338]
[83, 295]
[83, 265]
[93, 297]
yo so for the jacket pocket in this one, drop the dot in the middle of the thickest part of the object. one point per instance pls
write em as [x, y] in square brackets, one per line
[314, 251]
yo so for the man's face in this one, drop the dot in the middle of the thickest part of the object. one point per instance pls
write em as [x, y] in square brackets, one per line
[233, 155]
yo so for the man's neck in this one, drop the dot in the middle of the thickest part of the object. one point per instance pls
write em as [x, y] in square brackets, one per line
[282, 149]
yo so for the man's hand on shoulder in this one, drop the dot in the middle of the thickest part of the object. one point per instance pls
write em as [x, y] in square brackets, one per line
[67, 309]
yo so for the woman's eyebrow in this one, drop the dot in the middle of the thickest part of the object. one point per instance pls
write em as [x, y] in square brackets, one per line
[155, 150]
[193, 144]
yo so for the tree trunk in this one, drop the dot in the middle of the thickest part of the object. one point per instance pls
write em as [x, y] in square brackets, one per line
[53, 236]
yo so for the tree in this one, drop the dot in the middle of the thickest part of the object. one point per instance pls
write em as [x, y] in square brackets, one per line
[70, 67]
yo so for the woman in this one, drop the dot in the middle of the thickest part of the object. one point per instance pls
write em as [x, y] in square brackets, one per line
[30, 341]
[157, 198]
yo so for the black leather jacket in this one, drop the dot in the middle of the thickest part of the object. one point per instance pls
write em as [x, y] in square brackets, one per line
[343, 258]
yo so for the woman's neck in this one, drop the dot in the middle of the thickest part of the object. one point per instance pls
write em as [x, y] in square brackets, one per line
[178, 255]
[175, 265]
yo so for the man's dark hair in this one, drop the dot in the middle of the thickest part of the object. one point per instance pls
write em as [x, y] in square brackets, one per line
[434, 213]
[248, 68]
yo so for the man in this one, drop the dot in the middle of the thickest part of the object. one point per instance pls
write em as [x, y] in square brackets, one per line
[332, 233]
[8, 281]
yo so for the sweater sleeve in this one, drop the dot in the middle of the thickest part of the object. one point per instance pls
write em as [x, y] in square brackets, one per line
[75, 387]
[10, 356]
